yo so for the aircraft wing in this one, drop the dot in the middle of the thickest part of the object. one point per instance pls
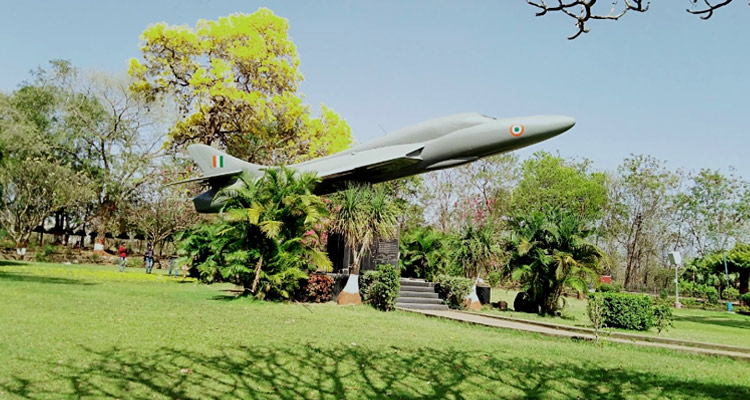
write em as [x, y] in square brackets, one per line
[379, 160]
[214, 177]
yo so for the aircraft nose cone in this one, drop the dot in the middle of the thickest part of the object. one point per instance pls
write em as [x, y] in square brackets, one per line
[566, 123]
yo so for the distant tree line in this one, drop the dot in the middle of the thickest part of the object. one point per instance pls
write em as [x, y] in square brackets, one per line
[636, 214]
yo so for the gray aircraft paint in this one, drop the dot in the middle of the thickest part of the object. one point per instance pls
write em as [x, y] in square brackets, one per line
[431, 145]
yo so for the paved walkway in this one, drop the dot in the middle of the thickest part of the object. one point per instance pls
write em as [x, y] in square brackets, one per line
[478, 319]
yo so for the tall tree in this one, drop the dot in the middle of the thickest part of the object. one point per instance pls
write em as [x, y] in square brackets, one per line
[162, 210]
[103, 129]
[715, 209]
[640, 215]
[33, 183]
[235, 82]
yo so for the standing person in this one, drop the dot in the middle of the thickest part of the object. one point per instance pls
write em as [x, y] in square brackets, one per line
[148, 258]
[173, 267]
[123, 257]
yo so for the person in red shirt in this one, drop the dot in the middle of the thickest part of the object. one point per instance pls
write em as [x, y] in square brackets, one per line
[123, 257]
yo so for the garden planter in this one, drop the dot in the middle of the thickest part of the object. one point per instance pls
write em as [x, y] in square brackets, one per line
[483, 293]
[472, 300]
[350, 293]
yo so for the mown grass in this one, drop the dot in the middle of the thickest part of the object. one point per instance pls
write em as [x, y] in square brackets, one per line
[689, 324]
[90, 332]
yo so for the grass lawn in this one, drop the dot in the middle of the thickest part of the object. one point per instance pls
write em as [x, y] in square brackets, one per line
[689, 324]
[90, 332]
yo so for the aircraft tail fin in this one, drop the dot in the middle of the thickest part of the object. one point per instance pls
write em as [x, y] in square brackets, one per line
[212, 161]
[218, 166]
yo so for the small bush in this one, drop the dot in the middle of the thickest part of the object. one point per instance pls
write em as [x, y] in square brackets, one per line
[688, 301]
[662, 317]
[663, 294]
[366, 280]
[453, 290]
[494, 278]
[746, 298]
[712, 295]
[687, 288]
[44, 255]
[595, 312]
[318, 288]
[384, 290]
[609, 288]
[730, 293]
[626, 311]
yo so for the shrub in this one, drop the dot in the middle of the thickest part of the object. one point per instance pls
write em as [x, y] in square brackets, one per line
[607, 288]
[318, 288]
[730, 293]
[663, 294]
[626, 311]
[687, 288]
[384, 290]
[662, 317]
[494, 278]
[712, 295]
[746, 298]
[366, 280]
[44, 255]
[688, 301]
[595, 312]
[454, 290]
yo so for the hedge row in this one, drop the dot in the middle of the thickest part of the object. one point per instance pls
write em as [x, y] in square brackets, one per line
[626, 310]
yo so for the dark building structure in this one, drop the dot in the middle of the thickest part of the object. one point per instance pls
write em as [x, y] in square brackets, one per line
[382, 252]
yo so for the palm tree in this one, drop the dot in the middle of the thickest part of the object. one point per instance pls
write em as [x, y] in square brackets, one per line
[362, 214]
[267, 221]
[549, 252]
[476, 249]
[425, 253]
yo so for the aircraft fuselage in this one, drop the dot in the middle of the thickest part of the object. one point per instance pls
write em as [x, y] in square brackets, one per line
[431, 145]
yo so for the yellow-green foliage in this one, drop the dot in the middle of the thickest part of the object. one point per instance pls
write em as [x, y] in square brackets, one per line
[235, 81]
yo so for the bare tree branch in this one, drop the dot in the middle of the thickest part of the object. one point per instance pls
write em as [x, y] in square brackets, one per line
[709, 10]
[585, 13]
[583, 10]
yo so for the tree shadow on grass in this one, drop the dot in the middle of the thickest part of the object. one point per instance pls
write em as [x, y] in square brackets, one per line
[8, 276]
[356, 372]
[9, 263]
[720, 320]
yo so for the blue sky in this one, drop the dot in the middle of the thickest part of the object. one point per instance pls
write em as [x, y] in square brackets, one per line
[663, 83]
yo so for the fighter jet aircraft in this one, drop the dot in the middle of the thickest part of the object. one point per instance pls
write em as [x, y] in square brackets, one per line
[428, 146]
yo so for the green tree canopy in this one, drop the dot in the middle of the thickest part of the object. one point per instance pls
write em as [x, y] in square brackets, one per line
[548, 180]
[235, 81]
[33, 182]
[738, 260]
[715, 209]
